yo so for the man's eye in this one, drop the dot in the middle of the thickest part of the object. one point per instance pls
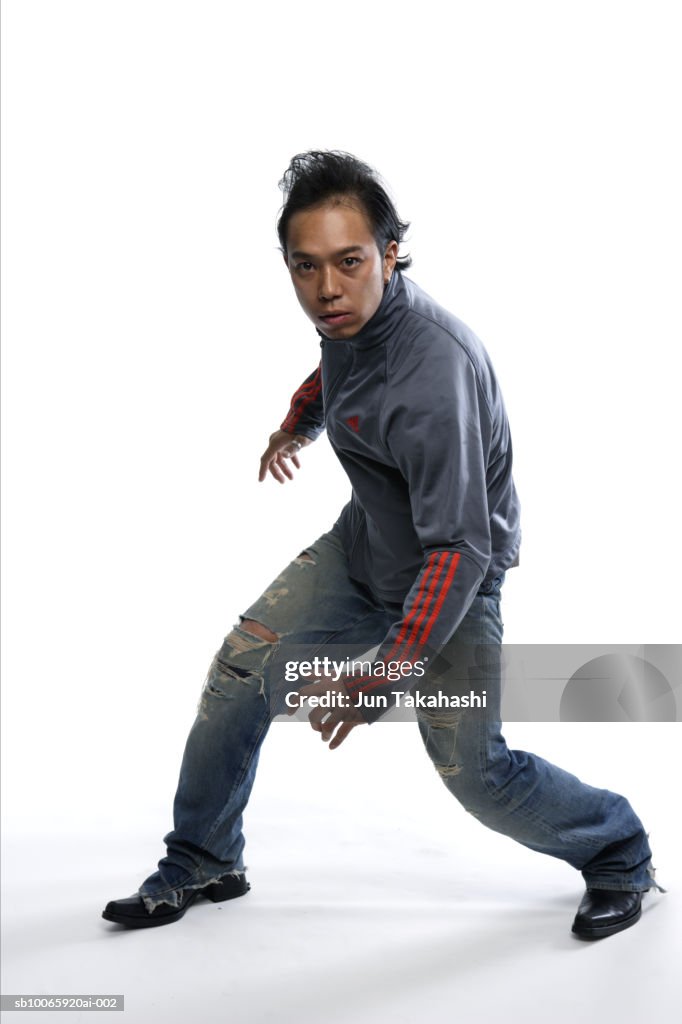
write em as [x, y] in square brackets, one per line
[304, 265]
[351, 261]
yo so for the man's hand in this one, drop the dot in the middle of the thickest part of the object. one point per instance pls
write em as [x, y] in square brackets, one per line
[282, 447]
[340, 716]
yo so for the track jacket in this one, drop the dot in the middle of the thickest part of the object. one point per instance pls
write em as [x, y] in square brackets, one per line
[415, 415]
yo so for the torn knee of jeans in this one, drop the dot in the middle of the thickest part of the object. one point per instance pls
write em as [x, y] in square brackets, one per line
[224, 673]
[254, 629]
[221, 677]
[225, 683]
[241, 660]
[446, 771]
[305, 558]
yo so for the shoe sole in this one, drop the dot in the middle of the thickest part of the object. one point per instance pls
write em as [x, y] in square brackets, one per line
[606, 930]
[216, 893]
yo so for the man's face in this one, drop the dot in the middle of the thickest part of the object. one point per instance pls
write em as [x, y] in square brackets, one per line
[336, 268]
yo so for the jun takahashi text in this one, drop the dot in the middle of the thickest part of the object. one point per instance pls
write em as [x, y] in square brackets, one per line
[399, 698]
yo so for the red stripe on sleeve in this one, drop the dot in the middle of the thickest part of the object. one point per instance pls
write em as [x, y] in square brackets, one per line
[424, 586]
[372, 681]
[441, 597]
[305, 394]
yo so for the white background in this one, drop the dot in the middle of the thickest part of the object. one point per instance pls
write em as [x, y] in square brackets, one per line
[152, 342]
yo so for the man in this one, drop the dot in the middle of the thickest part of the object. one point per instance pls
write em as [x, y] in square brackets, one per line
[415, 563]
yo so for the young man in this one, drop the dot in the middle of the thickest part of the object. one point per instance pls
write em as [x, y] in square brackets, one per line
[415, 563]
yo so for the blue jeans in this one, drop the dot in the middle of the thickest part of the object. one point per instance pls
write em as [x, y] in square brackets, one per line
[314, 608]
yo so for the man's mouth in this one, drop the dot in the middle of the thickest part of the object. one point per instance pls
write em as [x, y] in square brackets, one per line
[332, 319]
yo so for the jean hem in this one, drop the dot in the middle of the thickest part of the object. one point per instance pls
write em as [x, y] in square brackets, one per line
[173, 896]
[630, 887]
[623, 886]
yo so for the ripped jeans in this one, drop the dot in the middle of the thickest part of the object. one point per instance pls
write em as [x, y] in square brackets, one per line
[315, 606]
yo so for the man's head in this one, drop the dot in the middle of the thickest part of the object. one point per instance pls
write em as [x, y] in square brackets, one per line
[339, 233]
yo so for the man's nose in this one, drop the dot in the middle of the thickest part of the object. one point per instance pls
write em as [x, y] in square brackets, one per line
[329, 285]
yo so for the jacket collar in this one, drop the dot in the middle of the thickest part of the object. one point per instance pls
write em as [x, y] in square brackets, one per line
[380, 327]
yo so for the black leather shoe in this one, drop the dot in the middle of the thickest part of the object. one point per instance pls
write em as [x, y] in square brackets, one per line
[604, 912]
[132, 912]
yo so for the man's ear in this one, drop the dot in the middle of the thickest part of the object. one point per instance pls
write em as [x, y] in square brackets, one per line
[390, 260]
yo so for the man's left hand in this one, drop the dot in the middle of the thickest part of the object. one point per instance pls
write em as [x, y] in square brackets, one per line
[336, 720]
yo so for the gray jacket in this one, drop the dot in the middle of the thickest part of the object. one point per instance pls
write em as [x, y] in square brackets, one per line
[414, 412]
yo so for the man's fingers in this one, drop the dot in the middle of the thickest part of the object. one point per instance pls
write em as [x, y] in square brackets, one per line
[325, 722]
[277, 463]
[274, 469]
[267, 460]
[285, 457]
[343, 730]
[327, 730]
[316, 716]
[333, 723]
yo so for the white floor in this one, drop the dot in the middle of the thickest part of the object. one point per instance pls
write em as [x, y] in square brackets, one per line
[375, 898]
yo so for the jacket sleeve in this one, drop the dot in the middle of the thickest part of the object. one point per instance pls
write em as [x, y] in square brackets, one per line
[306, 412]
[439, 434]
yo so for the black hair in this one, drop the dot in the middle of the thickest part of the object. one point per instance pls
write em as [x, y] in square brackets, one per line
[319, 175]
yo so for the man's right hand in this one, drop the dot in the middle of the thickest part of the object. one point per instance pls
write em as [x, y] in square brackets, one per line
[282, 449]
